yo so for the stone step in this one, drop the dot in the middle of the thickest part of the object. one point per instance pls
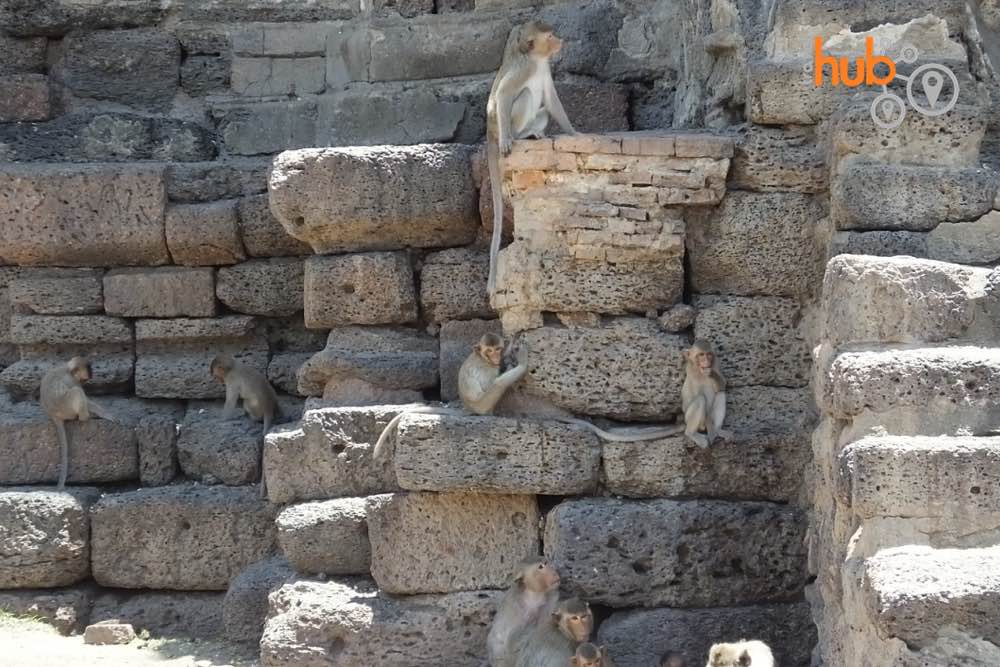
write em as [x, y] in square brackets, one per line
[915, 477]
[245, 605]
[327, 537]
[911, 593]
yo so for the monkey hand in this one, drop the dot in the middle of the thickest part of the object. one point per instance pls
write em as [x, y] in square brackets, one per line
[505, 144]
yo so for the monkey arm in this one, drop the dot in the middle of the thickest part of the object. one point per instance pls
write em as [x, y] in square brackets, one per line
[482, 401]
[555, 107]
[232, 395]
[507, 90]
[99, 410]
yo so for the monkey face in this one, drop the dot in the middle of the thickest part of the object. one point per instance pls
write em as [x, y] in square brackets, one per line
[588, 655]
[547, 45]
[79, 368]
[723, 655]
[541, 577]
[492, 354]
[579, 626]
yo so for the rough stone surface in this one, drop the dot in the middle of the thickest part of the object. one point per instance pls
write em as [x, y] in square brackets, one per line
[270, 287]
[114, 217]
[112, 366]
[966, 242]
[348, 199]
[178, 537]
[283, 370]
[133, 67]
[164, 614]
[612, 552]
[371, 628]
[209, 181]
[28, 98]
[495, 455]
[328, 537]
[328, 455]
[157, 439]
[787, 159]
[727, 257]
[167, 291]
[204, 234]
[638, 638]
[66, 609]
[436, 49]
[781, 93]
[261, 128]
[457, 340]
[69, 330]
[245, 605]
[205, 75]
[678, 318]
[262, 234]
[21, 56]
[440, 543]
[212, 449]
[57, 292]
[57, 17]
[108, 632]
[367, 288]
[453, 285]
[879, 244]
[45, 537]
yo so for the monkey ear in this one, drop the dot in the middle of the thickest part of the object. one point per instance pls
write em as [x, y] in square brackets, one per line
[745, 659]
[527, 45]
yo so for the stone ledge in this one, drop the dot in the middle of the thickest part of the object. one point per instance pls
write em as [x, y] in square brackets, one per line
[653, 143]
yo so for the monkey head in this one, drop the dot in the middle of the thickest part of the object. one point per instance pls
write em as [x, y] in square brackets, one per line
[588, 655]
[729, 655]
[79, 367]
[574, 619]
[672, 659]
[701, 356]
[537, 575]
[221, 365]
[490, 348]
[537, 39]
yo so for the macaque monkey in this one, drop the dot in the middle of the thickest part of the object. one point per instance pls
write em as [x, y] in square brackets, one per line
[589, 655]
[63, 399]
[703, 395]
[533, 595]
[740, 654]
[553, 642]
[672, 659]
[259, 399]
[522, 99]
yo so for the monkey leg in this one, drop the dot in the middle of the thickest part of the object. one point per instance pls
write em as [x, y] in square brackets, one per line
[63, 450]
[694, 421]
[528, 118]
[718, 417]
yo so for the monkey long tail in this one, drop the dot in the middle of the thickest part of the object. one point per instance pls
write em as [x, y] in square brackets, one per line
[390, 429]
[496, 185]
[626, 435]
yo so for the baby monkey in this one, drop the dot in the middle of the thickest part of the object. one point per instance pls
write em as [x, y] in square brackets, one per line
[740, 654]
[703, 395]
[63, 399]
[589, 655]
[259, 399]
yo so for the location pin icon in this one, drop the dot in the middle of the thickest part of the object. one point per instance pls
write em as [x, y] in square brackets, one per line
[932, 82]
[887, 110]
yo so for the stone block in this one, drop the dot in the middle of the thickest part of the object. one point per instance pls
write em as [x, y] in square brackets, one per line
[179, 537]
[388, 115]
[371, 628]
[205, 75]
[133, 67]
[283, 370]
[879, 243]
[345, 199]
[441, 543]
[204, 234]
[57, 292]
[271, 287]
[914, 198]
[58, 17]
[65, 609]
[157, 439]
[611, 552]
[213, 450]
[759, 340]
[726, 256]
[45, 541]
[457, 340]
[243, 11]
[966, 242]
[262, 234]
[115, 216]
[112, 367]
[603, 371]
[262, 77]
[245, 605]
[69, 330]
[904, 300]
[453, 285]
[269, 127]
[436, 48]
[362, 288]
[282, 39]
[495, 455]
[784, 93]
[210, 181]
[193, 616]
[678, 318]
[638, 638]
[167, 291]
[328, 537]
[785, 159]
[593, 105]
[108, 632]
[23, 55]
[27, 98]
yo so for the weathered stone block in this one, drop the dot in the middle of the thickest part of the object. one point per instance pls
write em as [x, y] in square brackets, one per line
[57, 17]
[328, 537]
[204, 234]
[966, 242]
[593, 105]
[108, 632]
[192, 615]
[457, 340]
[758, 340]
[388, 115]
[66, 609]
[242, 11]
[282, 39]
[727, 257]
[213, 449]
[262, 234]
[157, 436]
[453, 285]
[134, 67]
[265, 128]
[115, 216]
[371, 628]
[57, 292]
[45, 539]
[283, 371]
[270, 287]
[245, 605]
[364, 288]
[439, 543]
[344, 199]
[328, 455]
[167, 291]
[179, 537]
[112, 367]
[436, 48]
[611, 552]
[879, 244]
[69, 330]
[210, 181]
[909, 197]
[205, 75]
[784, 93]
[27, 97]
[780, 159]
[22, 56]
[260, 77]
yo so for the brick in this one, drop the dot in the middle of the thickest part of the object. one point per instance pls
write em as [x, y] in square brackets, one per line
[160, 292]
[204, 234]
[366, 288]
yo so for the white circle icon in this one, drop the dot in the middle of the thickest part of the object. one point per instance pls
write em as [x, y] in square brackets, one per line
[888, 110]
[931, 77]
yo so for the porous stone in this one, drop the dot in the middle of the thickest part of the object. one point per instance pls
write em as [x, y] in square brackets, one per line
[453, 285]
[261, 77]
[369, 627]
[267, 127]
[592, 104]
[245, 605]
[57, 17]
[57, 292]
[22, 55]
[914, 198]
[283, 370]
[457, 340]
[758, 340]
[727, 257]
[328, 455]
[179, 537]
[437, 48]
[271, 287]
[112, 366]
[204, 234]
[495, 455]
[27, 98]
[210, 181]
[167, 291]
[68, 330]
[133, 67]
[783, 93]
[347, 199]
[638, 638]
[157, 439]
[242, 11]
[678, 318]
[205, 75]
[786, 159]
[366, 288]
[882, 243]
[262, 234]
[115, 216]
[966, 242]
[164, 614]
[440, 543]
[327, 537]
[611, 552]
[45, 541]
[66, 609]
[603, 371]
[213, 449]
[108, 632]
[388, 115]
